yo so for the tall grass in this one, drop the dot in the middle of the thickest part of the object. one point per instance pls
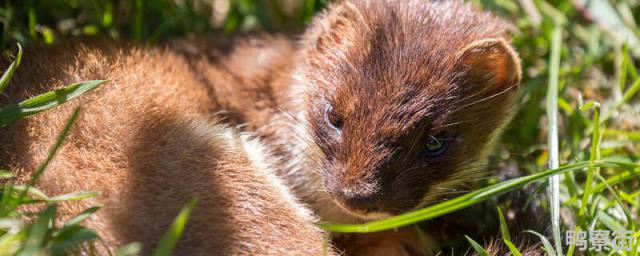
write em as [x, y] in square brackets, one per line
[552, 136]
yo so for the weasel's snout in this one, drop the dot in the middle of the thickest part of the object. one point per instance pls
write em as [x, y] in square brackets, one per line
[359, 198]
[366, 201]
[366, 205]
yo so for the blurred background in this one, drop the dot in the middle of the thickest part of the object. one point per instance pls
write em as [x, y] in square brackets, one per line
[150, 20]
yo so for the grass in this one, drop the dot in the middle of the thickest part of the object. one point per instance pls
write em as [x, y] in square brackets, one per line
[576, 134]
[466, 200]
[552, 136]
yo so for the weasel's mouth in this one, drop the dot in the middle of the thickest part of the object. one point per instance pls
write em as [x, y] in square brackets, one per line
[365, 214]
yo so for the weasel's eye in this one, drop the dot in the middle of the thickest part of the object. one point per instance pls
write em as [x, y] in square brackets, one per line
[333, 118]
[436, 146]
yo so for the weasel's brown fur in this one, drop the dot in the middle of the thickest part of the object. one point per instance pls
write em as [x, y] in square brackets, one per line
[396, 73]
[400, 73]
[148, 141]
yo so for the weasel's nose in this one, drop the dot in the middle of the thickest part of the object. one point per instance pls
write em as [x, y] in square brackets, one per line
[359, 200]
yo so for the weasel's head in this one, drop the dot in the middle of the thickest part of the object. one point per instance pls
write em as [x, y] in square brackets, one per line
[404, 98]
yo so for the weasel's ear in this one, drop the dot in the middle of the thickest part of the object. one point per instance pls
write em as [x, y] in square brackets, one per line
[336, 26]
[491, 64]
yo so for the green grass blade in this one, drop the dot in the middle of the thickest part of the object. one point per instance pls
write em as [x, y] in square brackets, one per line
[622, 81]
[129, 249]
[595, 155]
[71, 238]
[586, 106]
[81, 217]
[618, 178]
[506, 237]
[45, 101]
[609, 222]
[74, 196]
[6, 77]
[5, 174]
[37, 195]
[552, 113]
[463, 201]
[594, 208]
[169, 240]
[52, 152]
[625, 209]
[8, 202]
[545, 242]
[38, 231]
[504, 229]
[551, 12]
[514, 250]
[10, 241]
[629, 93]
[34, 193]
[629, 67]
[477, 247]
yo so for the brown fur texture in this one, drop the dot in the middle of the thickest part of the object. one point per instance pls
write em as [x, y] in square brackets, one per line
[395, 74]
[148, 141]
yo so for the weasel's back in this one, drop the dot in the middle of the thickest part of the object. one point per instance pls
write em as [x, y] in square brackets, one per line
[148, 141]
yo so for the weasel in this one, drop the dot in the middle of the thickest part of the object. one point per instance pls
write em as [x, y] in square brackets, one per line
[380, 108]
